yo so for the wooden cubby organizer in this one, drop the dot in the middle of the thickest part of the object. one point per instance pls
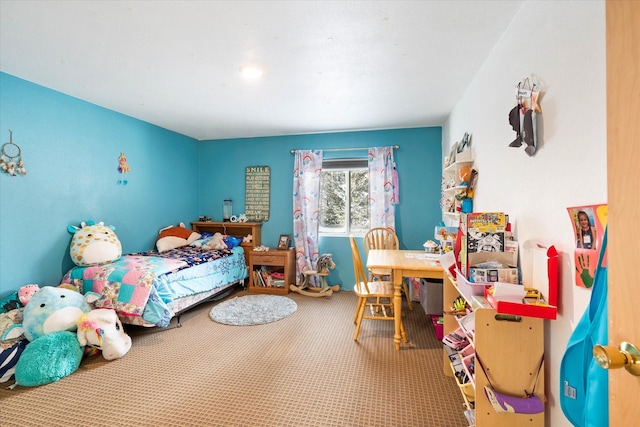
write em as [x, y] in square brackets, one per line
[271, 272]
[510, 352]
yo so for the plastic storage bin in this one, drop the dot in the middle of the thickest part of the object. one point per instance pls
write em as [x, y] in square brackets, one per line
[431, 296]
[469, 289]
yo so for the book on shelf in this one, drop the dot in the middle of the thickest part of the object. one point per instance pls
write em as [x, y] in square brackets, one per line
[259, 278]
[266, 279]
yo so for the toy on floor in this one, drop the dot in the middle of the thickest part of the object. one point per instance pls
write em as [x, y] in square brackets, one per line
[324, 264]
[59, 323]
[49, 358]
[101, 329]
[52, 309]
[26, 292]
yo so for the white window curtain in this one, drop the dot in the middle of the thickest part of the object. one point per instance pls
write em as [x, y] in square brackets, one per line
[383, 187]
[306, 209]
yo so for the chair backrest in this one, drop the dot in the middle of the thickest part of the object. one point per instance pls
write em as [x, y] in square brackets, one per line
[358, 267]
[380, 238]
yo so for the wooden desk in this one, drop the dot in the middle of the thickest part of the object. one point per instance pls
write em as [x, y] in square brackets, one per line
[403, 265]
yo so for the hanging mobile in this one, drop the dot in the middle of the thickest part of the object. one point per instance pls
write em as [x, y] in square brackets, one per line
[11, 158]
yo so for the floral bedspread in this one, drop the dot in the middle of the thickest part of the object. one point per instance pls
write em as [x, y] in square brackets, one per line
[125, 284]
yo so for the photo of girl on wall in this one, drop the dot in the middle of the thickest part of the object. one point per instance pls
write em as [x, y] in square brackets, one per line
[586, 234]
[588, 228]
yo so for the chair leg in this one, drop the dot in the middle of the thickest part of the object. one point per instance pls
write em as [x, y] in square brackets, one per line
[360, 317]
[355, 315]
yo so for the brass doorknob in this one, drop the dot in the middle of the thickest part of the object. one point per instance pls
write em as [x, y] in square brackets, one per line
[627, 356]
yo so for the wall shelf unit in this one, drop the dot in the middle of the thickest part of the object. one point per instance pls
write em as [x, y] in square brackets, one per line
[451, 187]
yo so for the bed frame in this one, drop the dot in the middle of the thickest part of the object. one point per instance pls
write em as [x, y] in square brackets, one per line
[212, 295]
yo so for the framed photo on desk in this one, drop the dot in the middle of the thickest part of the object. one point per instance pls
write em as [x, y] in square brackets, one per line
[283, 241]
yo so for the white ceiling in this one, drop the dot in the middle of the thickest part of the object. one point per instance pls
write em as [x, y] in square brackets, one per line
[329, 65]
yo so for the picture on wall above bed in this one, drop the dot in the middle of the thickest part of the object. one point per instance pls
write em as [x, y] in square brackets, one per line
[257, 192]
[149, 288]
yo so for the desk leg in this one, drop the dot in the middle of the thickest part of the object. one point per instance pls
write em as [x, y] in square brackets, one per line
[397, 307]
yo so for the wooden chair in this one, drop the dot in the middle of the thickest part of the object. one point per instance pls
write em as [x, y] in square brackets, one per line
[377, 295]
[383, 238]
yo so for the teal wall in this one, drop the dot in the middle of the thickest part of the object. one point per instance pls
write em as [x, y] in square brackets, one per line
[71, 148]
[222, 168]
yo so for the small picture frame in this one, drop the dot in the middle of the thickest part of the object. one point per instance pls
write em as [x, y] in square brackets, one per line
[283, 241]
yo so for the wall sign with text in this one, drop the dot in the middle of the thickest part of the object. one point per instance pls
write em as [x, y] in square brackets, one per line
[258, 191]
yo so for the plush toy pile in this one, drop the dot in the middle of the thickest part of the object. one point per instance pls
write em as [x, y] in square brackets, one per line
[58, 323]
[44, 332]
[216, 242]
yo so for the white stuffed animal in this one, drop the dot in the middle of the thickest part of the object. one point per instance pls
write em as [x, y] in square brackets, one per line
[216, 242]
[101, 328]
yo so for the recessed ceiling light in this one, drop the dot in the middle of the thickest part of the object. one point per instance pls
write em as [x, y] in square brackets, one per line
[251, 72]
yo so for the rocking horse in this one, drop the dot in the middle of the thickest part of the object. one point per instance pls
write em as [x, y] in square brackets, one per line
[324, 264]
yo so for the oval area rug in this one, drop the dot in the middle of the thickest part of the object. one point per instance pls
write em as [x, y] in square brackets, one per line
[253, 310]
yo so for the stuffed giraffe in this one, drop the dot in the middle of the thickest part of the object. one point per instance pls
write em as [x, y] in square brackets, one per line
[94, 244]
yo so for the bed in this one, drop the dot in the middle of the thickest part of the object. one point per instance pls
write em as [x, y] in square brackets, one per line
[150, 288]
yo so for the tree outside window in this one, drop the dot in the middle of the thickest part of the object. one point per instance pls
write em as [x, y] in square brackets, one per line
[344, 197]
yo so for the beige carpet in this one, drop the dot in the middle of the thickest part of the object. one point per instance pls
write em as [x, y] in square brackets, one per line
[304, 370]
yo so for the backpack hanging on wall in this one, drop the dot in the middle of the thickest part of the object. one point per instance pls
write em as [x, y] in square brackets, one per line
[584, 386]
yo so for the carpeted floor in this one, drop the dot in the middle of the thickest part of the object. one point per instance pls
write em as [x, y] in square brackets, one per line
[304, 370]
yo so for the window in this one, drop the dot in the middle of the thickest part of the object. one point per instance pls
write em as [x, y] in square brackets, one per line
[344, 197]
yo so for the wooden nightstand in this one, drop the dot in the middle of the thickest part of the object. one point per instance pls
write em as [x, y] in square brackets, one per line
[271, 272]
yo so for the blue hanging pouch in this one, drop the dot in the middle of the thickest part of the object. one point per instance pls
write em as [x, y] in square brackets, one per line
[584, 386]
